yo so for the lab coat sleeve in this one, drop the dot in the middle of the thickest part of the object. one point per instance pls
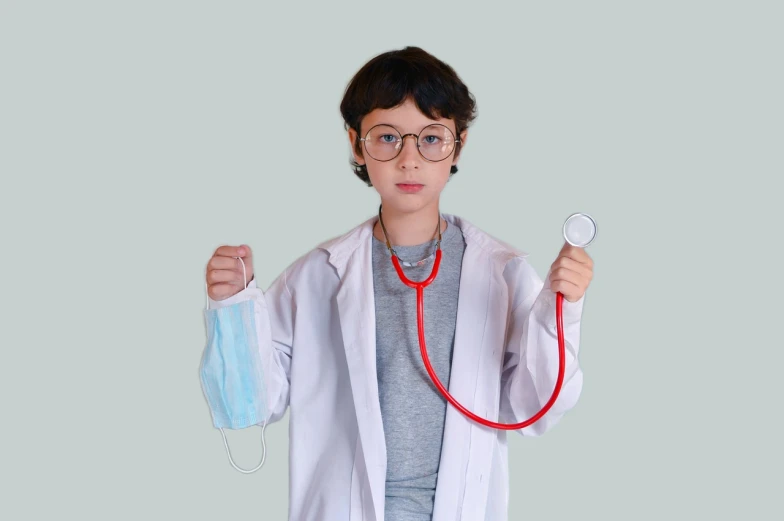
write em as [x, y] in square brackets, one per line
[273, 318]
[530, 365]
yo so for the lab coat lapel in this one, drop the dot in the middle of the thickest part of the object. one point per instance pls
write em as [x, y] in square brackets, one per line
[458, 430]
[351, 256]
[462, 486]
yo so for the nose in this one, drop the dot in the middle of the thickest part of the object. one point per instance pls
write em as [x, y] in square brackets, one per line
[409, 154]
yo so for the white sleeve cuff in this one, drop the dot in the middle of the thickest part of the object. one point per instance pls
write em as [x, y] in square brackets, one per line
[242, 296]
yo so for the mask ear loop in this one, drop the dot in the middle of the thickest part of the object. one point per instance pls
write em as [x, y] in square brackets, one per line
[225, 441]
[263, 454]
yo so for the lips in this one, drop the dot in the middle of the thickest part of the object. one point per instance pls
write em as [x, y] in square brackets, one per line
[410, 187]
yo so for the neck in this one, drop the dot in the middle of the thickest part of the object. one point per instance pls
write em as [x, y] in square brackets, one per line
[409, 229]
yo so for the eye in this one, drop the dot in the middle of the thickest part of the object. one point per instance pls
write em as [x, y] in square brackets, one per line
[388, 138]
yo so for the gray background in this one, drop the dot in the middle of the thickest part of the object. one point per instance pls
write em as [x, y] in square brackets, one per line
[136, 137]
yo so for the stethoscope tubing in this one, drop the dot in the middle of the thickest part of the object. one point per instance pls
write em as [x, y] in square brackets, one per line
[420, 293]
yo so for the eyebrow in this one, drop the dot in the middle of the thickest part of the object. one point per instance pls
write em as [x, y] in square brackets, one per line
[420, 130]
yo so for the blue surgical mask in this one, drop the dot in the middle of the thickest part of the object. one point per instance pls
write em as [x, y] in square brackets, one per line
[231, 373]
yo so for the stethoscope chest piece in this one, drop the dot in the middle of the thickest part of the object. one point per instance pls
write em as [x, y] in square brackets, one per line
[579, 230]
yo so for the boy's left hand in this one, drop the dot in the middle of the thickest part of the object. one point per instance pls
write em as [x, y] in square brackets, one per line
[571, 273]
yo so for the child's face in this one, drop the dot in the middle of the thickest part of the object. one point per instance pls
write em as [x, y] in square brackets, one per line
[409, 166]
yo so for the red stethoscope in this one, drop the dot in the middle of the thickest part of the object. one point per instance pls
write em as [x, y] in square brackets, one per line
[579, 230]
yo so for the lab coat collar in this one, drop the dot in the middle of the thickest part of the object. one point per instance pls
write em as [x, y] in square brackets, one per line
[342, 247]
[351, 255]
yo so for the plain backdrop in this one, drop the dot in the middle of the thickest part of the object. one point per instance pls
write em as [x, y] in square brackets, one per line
[136, 137]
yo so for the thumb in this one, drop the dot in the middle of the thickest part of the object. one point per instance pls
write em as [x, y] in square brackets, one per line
[245, 252]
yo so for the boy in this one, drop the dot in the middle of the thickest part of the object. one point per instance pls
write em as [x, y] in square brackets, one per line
[335, 337]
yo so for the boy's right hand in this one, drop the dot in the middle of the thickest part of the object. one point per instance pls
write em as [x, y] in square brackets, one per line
[224, 271]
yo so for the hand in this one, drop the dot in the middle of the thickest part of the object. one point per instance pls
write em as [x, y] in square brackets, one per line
[224, 271]
[571, 273]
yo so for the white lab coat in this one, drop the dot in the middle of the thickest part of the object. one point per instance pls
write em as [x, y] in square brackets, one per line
[316, 331]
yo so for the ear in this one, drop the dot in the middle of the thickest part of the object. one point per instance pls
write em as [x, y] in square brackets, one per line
[463, 139]
[352, 139]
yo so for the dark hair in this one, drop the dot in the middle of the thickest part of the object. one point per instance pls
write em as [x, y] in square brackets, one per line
[387, 80]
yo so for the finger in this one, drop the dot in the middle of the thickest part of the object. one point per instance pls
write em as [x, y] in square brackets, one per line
[225, 263]
[224, 276]
[564, 285]
[228, 251]
[568, 289]
[576, 254]
[234, 251]
[572, 265]
[229, 263]
[223, 290]
[245, 252]
[566, 275]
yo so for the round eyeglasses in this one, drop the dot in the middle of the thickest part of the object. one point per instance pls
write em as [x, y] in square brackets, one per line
[435, 142]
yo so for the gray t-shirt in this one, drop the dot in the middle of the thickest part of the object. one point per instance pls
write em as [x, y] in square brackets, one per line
[412, 408]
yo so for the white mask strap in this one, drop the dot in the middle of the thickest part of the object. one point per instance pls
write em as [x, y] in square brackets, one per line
[263, 455]
[244, 275]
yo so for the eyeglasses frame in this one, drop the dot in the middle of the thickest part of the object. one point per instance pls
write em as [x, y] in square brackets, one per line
[403, 142]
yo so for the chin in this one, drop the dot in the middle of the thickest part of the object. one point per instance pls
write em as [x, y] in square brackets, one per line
[407, 203]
